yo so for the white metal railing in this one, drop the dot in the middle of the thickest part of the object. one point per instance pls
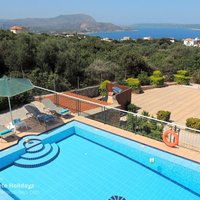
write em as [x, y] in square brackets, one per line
[120, 110]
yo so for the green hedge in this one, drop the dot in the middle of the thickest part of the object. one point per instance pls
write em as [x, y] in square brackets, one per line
[163, 115]
[193, 123]
[182, 77]
[157, 79]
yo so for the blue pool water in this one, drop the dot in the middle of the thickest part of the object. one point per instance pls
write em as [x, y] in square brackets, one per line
[87, 168]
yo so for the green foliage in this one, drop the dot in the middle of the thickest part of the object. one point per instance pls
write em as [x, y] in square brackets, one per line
[183, 72]
[145, 113]
[163, 115]
[193, 123]
[145, 127]
[132, 63]
[101, 70]
[157, 73]
[46, 58]
[134, 83]
[3, 103]
[157, 79]
[196, 76]
[144, 78]
[132, 108]
[102, 87]
[182, 77]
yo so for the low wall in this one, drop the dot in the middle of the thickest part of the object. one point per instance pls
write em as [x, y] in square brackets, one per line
[92, 91]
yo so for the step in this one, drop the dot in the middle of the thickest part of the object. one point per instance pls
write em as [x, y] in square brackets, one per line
[32, 143]
[41, 161]
[32, 156]
[35, 148]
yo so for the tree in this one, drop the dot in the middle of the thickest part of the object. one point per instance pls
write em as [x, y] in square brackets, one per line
[101, 70]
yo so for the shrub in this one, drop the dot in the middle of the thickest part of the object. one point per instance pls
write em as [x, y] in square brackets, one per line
[134, 83]
[163, 115]
[132, 108]
[182, 77]
[157, 73]
[193, 123]
[102, 87]
[157, 78]
[145, 113]
[183, 80]
[143, 78]
[182, 72]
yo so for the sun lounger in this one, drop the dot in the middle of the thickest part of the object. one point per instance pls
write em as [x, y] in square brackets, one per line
[5, 132]
[34, 112]
[54, 108]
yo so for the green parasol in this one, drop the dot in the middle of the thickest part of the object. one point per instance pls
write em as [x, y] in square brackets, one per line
[10, 87]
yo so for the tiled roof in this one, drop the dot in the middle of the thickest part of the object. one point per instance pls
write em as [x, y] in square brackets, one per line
[16, 28]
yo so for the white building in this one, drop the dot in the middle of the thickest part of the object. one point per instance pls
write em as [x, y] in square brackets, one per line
[126, 38]
[106, 39]
[17, 29]
[147, 38]
[190, 42]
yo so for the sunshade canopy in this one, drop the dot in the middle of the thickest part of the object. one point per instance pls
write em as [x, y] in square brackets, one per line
[13, 86]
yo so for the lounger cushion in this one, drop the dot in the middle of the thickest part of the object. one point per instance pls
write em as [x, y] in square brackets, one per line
[45, 118]
[5, 131]
[63, 111]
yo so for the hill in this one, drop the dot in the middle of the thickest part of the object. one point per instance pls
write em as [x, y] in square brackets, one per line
[76, 22]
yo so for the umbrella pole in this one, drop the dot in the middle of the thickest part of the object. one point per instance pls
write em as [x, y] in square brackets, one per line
[10, 110]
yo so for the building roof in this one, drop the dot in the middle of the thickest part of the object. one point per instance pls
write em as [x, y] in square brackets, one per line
[17, 28]
[189, 39]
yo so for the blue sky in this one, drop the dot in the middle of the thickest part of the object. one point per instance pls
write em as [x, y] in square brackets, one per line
[116, 11]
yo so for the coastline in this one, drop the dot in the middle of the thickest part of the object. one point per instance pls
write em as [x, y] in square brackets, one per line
[196, 29]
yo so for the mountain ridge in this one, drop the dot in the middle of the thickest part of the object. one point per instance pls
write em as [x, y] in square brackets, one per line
[74, 22]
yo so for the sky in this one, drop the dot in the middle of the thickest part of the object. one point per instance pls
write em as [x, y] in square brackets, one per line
[121, 12]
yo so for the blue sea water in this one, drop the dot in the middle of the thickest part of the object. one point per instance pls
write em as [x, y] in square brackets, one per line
[154, 32]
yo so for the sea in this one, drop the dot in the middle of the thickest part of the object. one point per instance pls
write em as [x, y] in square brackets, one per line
[156, 32]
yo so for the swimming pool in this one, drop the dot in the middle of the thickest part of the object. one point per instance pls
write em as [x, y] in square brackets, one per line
[92, 164]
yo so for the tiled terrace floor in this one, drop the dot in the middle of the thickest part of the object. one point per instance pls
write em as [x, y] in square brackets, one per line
[182, 101]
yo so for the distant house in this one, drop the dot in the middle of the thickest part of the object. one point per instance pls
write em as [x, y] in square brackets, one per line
[190, 42]
[106, 39]
[147, 38]
[172, 40]
[126, 38]
[17, 29]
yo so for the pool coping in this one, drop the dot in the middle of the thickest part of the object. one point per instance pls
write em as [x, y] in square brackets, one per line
[178, 151]
[185, 153]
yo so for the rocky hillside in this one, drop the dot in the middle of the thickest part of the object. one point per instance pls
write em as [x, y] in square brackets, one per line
[77, 22]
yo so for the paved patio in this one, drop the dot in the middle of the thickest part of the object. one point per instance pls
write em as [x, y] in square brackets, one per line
[182, 101]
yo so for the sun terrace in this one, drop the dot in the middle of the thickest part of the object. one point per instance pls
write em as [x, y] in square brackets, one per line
[105, 114]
